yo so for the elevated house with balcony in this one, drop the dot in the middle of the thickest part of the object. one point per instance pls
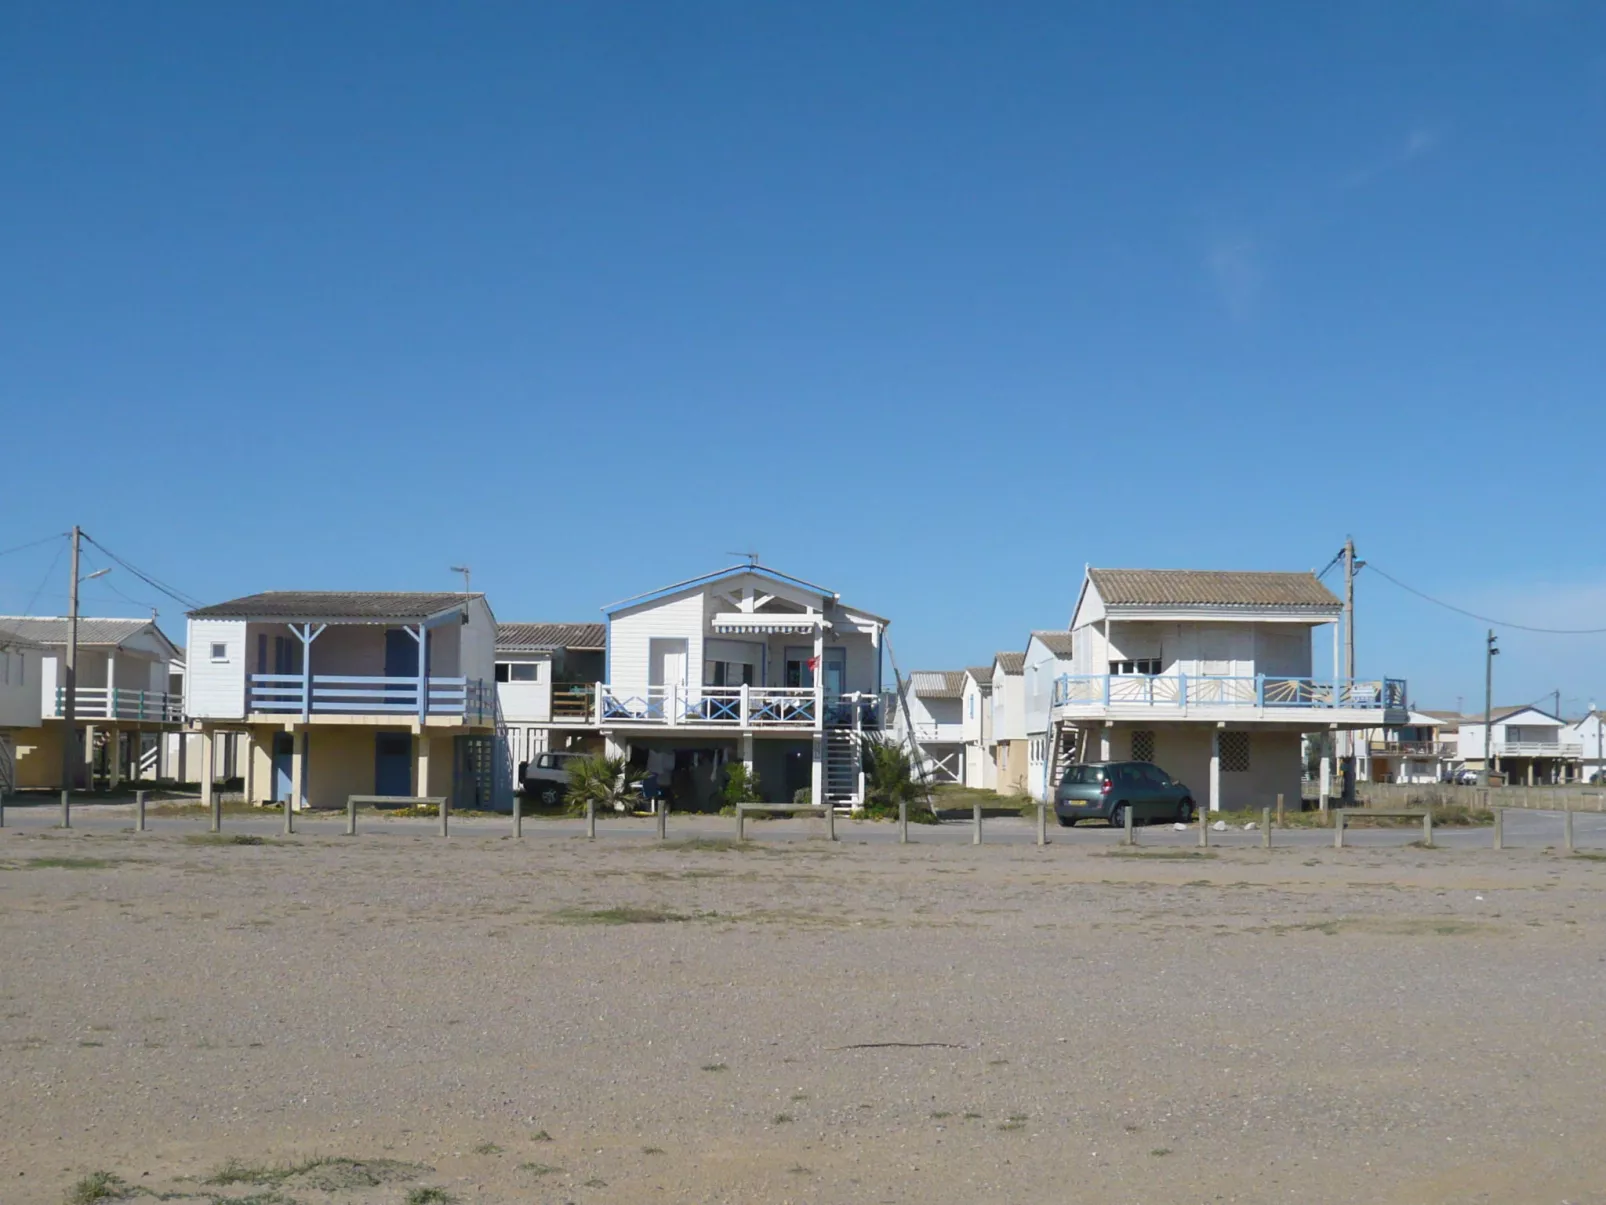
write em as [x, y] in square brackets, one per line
[1047, 659]
[338, 693]
[1589, 735]
[1211, 676]
[21, 708]
[1412, 752]
[744, 664]
[1009, 723]
[121, 703]
[981, 770]
[1529, 745]
[933, 720]
[546, 686]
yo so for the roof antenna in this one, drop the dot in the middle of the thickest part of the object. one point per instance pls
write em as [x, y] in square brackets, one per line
[464, 570]
[752, 557]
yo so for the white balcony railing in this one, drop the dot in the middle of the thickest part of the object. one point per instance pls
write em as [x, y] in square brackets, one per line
[1413, 748]
[472, 699]
[1268, 693]
[119, 703]
[1537, 749]
[795, 707]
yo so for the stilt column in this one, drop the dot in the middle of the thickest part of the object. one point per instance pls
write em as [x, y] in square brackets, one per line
[1215, 769]
[298, 769]
[421, 744]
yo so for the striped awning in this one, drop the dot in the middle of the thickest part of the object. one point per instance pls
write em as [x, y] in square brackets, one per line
[764, 627]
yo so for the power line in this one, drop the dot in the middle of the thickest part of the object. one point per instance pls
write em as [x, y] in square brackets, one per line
[138, 602]
[1499, 623]
[60, 535]
[175, 594]
[39, 589]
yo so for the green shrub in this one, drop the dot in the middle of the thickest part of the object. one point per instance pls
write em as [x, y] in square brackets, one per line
[601, 781]
[803, 796]
[741, 786]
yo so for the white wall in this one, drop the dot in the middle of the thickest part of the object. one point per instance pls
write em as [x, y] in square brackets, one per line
[1230, 649]
[631, 632]
[477, 643]
[214, 690]
[1042, 668]
[1009, 706]
[21, 700]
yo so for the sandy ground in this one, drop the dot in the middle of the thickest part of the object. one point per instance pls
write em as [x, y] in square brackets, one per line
[556, 1020]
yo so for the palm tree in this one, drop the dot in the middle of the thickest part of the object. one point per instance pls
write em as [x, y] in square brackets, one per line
[601, 781]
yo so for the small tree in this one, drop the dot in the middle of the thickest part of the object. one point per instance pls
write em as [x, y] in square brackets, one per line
[602, 781]
[889, 779]
[741, 785]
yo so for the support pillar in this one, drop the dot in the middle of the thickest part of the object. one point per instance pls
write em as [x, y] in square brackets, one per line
[614, 745]
[1215, 769]
[206, 767]
[421, 745]
[1327, 777]
[1104, 744]
[114, 759]
[1530, 773]
[298, 768]
[747, 754]
[250, 767]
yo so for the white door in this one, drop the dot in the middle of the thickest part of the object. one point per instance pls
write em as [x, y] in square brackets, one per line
[667, 662]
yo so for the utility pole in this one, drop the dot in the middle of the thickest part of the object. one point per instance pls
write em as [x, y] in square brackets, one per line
[1490, 653]
[69, 679]
[1349, 660]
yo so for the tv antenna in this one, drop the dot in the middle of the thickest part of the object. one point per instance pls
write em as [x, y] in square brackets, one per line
[465, 571]
[752, 557]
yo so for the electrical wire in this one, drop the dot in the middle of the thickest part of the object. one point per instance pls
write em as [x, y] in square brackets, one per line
[38, 590]
[60, 535]
[176, 595]
[1499, 623]
[138, 602]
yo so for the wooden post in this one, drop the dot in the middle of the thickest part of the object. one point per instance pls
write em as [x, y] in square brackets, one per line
[1204, 830]
[1567, 829]
[1499, 828]
[903, 822]
[351, 815]
[1280, 823]
[975, 836]
[1338, 829]
[1427, 827]
[446, 807]
[1127, 837]
[591, 817]
[518, 815]
[741, 823]
[1042, 823]
[663, 817]
[1265, 827]
[66, 811]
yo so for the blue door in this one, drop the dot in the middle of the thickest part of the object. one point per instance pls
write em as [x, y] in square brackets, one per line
[283, 751]
[393, 762]
[401, 654]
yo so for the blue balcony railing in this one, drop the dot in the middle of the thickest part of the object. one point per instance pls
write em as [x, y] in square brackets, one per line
[470, 698]
[1265, 691]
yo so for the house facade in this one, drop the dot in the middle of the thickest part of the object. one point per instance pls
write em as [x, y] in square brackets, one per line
[1413, 752]
[1589, 735]
[121, 703]
[333, 693]
[976, 723]
[21, 708]
[546, 688]
[744, 664]
[1208, 674]
[1047, 659]
[1528, 746]
[1009, 723]
[932, 719]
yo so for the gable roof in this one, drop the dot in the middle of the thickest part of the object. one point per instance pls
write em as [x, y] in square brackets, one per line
[1211, 588]
[1505, 713]
[1061, 644]
[92, 632]
[937, 683]
[720, 575]
[13, 640]
[530, 637]
[336, 604]
[983, 675]
[1011, 663]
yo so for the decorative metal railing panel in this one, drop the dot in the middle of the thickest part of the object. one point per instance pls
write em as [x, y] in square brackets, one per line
[735, 706]
[1182, 691]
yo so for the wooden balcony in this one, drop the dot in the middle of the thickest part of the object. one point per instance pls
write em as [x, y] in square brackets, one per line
[470, 699]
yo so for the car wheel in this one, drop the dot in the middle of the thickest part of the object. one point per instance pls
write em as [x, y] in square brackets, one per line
[551, 796]
[1118, 816]
[1185, 812]
[1065, 821]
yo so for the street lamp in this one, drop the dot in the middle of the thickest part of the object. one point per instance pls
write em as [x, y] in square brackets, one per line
[1491, 651]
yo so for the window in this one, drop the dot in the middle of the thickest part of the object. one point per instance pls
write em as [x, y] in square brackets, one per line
[525, 671]
[501, 671]
[1234, 752]
[972, 706]
[1143, 745]
[220, 651]
[1150, 665]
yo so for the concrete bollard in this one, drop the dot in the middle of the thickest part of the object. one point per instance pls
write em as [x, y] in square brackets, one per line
[289, 818]
[351, 815]
[903, 822]
[1204, 830]
[446, 808]
[1338, 830]
[217, 812]
[1128, 836]
[830, 822]
[1265, 827]
[975, 837]
[1567, 829]
[518, 816]
[1500, 828]
[66, 811]
[663, 819]
[741, 823]
[139, 811]
[1323, 803]
[1042, 823]
[591, 820]
[1427, 828]
[1280, 823]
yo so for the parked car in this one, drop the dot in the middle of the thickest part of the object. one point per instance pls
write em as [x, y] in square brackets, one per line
[1105, 790]
[1465, 778]
[546, 778]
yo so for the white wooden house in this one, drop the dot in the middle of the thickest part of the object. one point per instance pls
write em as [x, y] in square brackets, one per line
[935, 722]
[121, 703]
[1211, 676]
[976, 721]
[1009, 723]
[1589, 735]
[747, 664]
[1530, 746]
[1412, 752]
[21, 708]
[339, 693]
[1047, 659]
[546, 685]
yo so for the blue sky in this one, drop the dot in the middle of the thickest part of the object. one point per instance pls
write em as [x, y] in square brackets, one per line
[933, 303]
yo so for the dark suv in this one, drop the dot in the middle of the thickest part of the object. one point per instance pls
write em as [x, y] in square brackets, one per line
[1105, 790]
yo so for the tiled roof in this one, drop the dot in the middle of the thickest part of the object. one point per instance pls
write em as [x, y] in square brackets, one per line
[587, 636]
[983, 675]
[937, 683]
[1011, 663]
[1061, 644]
[1210, 588]
[334, 604]
[91, 631]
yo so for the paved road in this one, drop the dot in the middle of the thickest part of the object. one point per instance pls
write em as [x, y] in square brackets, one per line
[1523, 829]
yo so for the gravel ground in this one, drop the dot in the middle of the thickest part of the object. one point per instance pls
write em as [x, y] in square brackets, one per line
[556, 1020]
